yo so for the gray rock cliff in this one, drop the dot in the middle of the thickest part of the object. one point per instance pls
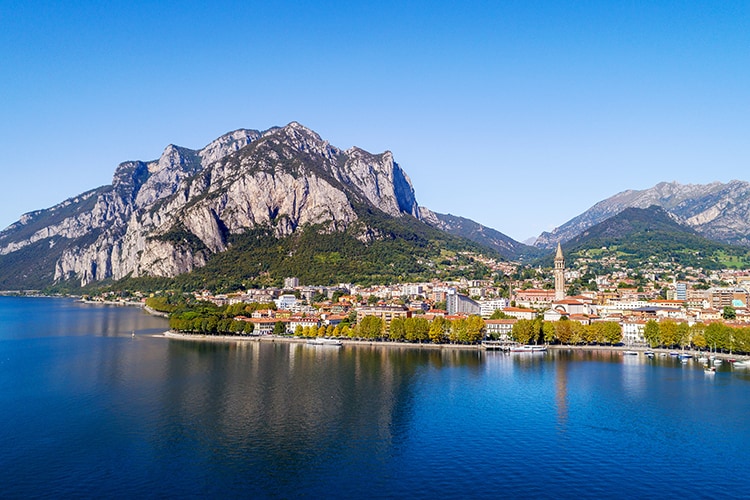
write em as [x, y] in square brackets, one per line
[168, 216]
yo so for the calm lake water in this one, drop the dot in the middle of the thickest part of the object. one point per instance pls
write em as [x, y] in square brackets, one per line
[88, 411]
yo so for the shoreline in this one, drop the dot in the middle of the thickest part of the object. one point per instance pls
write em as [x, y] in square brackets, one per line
[303, 340]
[412, 345]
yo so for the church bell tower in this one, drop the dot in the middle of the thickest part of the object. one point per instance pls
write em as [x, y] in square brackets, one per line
[559, 274]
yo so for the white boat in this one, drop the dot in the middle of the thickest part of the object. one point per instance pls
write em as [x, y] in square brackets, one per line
[630, 353]
[322, 341]
[529, 348]
[650, 354]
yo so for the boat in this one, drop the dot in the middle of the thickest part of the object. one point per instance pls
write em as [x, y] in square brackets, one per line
[674, 354]
[323, 341]
[630, 353]
[685, 355]
[529, 348]
[650, 354]
[709, 369]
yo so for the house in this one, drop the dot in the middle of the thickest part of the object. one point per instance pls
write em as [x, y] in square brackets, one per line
[386, 313]
[264, 326]
[500, 329]
[555, 314]
[520, 313]
[632, 331]
[302, 321]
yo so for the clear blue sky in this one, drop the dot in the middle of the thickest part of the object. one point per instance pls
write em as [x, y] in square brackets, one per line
[517, 114]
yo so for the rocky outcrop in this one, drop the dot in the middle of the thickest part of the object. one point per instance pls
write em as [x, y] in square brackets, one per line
[168, 216]
[718, 211]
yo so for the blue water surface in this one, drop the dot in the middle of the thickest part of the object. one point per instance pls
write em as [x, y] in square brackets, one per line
[89, 410]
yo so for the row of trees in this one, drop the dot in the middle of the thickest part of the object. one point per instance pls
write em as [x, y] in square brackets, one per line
[717, 336]
[210, 324]
[417, 329]
[526, 331]
[208, 318]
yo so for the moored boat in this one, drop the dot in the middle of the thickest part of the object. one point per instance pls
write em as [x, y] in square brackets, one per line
[630, 353]
[323, 341]
[529, 348]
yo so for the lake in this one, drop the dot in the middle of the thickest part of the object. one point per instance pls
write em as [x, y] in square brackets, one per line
[89, 410]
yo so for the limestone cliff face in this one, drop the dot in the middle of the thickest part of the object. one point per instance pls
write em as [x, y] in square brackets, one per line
[168, 216]
[718, 211]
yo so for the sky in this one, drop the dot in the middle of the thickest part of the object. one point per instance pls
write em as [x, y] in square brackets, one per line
[517, 114]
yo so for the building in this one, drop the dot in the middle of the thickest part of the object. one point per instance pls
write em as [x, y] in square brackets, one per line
[291, 283]
[457, 303]
[500, 329]
[489, 306]
[534, 297]
[286, 302]
[520, 313]
[559, 274]
[265, 326]
[302, 322]
[723, 297]
[632, 331]
[386, 313]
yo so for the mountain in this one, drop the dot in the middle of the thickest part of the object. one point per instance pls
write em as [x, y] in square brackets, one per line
[486, 236]
[637, 235]
[283, 189]
[717, 211]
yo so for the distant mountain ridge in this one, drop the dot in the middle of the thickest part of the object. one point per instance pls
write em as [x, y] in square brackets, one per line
[638, 235]
[486, 236]
[718, 211]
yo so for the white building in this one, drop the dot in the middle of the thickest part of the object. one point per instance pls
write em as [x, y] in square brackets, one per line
[489, 306]
[286, 302]
[632, 331]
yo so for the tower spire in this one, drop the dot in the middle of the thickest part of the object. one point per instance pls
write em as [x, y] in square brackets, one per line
[559, 273]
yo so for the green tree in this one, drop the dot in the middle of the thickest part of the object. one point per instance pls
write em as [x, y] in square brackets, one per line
[612, 332]
[279, 328]
[729, 313]
[499, 314]
[458, 333]
[437, 330]
[669, 333]
[524, 331]
[474, 329]
[397, 331]
[548, 332]
[248, 328]
[371, 327]
[421, 329]
[652, 333]
[564, 331]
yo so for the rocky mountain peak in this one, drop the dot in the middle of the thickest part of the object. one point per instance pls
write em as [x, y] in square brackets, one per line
[167, 216]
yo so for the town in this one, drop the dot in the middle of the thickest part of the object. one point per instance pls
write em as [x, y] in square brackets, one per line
[566, 305]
